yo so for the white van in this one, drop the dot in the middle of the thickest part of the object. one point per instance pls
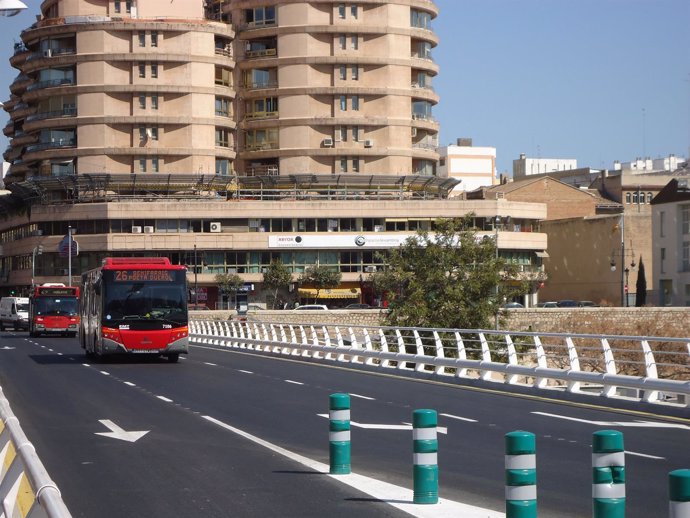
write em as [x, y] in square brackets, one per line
[14, 312]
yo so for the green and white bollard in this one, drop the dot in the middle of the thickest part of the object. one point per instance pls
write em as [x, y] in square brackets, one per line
[339, 434]
[608, 474]
[425, 457]
[521, 475]
[679, 493]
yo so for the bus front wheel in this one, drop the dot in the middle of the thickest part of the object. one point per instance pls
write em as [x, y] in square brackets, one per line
[173, 357]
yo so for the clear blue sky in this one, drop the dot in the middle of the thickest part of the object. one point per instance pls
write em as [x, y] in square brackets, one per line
[595, 80]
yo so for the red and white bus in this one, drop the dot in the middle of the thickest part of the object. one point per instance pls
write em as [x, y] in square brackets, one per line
[135, 305]
[54, 309]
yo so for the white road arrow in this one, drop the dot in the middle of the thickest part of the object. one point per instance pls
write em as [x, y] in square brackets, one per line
[118, 433]
[404, 426]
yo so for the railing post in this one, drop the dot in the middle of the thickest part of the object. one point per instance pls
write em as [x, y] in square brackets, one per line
[608, 474]
[339, 434]
[521, 475]
[425, 456]
[679, 493]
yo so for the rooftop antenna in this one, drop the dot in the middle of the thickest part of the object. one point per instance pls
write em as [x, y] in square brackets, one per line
[644, 132]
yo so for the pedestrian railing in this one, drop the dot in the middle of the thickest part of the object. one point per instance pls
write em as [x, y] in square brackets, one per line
[650, 369]
[25, 487]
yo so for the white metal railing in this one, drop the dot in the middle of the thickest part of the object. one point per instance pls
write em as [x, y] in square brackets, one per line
[21, 465]
[650, 369]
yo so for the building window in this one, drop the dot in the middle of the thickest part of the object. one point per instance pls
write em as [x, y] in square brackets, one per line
[128, 7]
[142, 102]
[117, 6]
[343, 133]
[353, 11]
[627, 198]
[685, 219]
[355, 102]
[343, 72]
[223, 76]
[686, 256]
[662, 224]
[142, 70]
[662, 257]
[635, 198]
[341, 11]
[355, 72]
[154, 102]
[222, 107]
[154, 165]
[154, 70]
[222, 166]
[222, 137]
[354, 42]
[142, 39]
[154, 38]
[343, 103]
[142, 133]
[355, 165]
[343, 165]
[343, 42]
[355, 133]
[142, 165]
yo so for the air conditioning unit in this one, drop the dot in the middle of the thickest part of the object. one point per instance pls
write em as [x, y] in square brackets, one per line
[148, 230]
[328, 142]
[136, 230]
[368, 143]
[370, 269]
[47, 53]
[215, 226]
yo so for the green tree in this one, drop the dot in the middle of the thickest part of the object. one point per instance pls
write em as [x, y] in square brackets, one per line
[641, 286]
[277, 276]
[321, 278]
[229, 283]
[446, 278]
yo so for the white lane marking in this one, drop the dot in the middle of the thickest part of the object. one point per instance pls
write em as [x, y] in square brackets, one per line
[628, 424]
[363, 397]
[247, 372]
[460, 418]
[294, 382]
[118, 433]
[59, 354]
[211, 364]
[396, 496]
[628, 452]
[163, 398]
[130, 384]
[86, 365]
[404, 426]
[105, 373]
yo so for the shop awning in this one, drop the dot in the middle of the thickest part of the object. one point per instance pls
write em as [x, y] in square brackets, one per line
[333, 293]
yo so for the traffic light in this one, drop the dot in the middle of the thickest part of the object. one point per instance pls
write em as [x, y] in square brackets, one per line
[13, 293]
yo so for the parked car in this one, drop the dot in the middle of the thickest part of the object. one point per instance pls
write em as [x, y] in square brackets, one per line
[358, 305]
[512, 305]
[547, 305]
[588, 304]
[568, 303]
[14, 312]
[311, 307]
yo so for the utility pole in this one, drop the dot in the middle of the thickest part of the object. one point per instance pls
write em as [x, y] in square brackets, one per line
[69, 253]
[196, 285]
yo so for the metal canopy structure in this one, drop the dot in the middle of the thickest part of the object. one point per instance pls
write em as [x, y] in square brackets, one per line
[92, 188]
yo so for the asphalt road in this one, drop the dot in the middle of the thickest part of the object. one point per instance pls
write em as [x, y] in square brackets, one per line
[187, 464]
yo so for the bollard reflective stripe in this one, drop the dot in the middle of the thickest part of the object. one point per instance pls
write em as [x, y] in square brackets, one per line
[521, 475]
[339, 434]
[608, 474]
[425, 456]
[679, 493]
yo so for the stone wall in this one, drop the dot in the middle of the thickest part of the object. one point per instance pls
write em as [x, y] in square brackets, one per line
[648, 321]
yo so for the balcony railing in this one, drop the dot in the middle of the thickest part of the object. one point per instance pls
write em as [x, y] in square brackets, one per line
[50, 83]
[261, 115]
[223, 52]
[262, 170]
[51, 53]
[260, 146]
[260, 85]
[65, 112]
[260, 53]
[58, 143]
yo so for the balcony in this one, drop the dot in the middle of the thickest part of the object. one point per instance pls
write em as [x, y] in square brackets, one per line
[51, 53]
[261, 146]
[262, 170]
[261, 115]
[261, 85]
[50, 83]
[57, 144]
[262, 53]
[65, 112]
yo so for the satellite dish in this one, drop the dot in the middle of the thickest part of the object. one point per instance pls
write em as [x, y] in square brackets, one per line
[11, 7]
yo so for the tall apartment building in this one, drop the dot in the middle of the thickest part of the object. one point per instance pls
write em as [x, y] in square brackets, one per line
[246, 130]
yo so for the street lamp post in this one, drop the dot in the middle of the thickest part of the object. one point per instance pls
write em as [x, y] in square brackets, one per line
[625, 270]
[38, 250]
[196, 284]
[11, 7]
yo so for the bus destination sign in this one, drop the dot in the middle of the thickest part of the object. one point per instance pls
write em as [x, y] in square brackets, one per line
[57, 292]
[143, 276]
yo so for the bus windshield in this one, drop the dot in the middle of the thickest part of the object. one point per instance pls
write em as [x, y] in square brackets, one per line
[54, 306]
[132, 301]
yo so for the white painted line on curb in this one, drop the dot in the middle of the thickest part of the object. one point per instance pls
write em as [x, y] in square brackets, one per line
[105, 373]
[246, 372]
[165, 399]
[404, 426]
[130, 384]
[396, 496]
[211, 364]
[627, 452]
[294, 382]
